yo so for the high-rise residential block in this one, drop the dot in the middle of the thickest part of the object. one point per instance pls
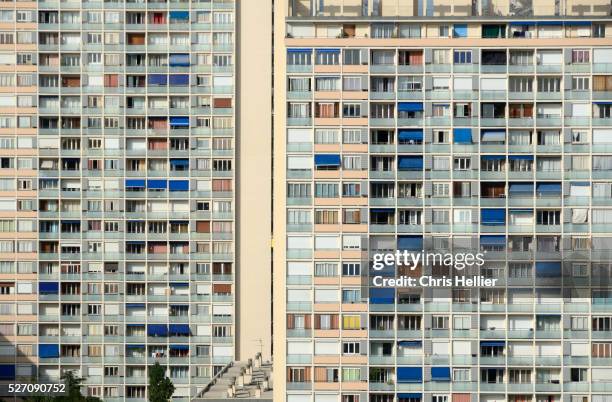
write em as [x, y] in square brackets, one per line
[444, 126]
[124, 231]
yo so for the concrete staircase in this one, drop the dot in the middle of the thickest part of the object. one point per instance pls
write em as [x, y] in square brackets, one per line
[244, 380]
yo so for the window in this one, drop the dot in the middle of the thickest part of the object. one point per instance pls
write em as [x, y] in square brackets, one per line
[352, 56]
[351, 110]
[580, 56]
[580, 83]
[462, 57]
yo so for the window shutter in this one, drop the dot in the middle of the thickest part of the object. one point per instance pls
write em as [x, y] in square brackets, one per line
[428, 109]
[427, 371]
[427, 242]
[428, 162]
[364, 109]
[364, 162]
[568, 56]
[364, 56]
[474, 188]
[567, 135]
[363, 348]
[364, 136]
[427, 215]
[475, 140]
[428, 56]
[567, 244]
[364, 374]
[475, 109]
[428, 83]
[364, 188]
[567, 163]
[475, 83]
[475, 55]
[567, 216]
[364, 215]
[428, 135]
[364, 83]
[567, 82]
[428, 189]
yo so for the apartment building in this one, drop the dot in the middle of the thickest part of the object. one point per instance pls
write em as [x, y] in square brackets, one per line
[119, 209]
[480, 126]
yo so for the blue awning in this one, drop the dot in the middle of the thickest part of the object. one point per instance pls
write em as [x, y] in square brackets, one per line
[410, 135]
[7, 371]
[410, 344]
[495, 216]
[184, 163]
[179, 15]
[135, 325]
[135, 305]
[157, 330]
[578, 23]
[179, 329]
[413, 395]
[179, 185]
[179, 121]
[520, 188]
[409, 374]
[158, 79]
[493, 240]
[48, 350]
[299, 50]
[603, 103]
[493, 157]
[410, 162]
[328, 50]
[327, 160]
[548, 188]
[410, 107]
[179, 60]
[179, 347]
[135, 183]
[49, 288]
[549, 23]
[522, 23]
[548, 269]
[493, 135]
[157, 184]
[179, 79]
[382, 295]
[410, 243]
[521, 157]
[440, 374]
[134, 242]
[134, 346]
[460, 30]
[462, 136]
[180, 284]
[493, 343]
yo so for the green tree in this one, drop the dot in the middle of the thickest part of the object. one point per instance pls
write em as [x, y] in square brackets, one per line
[72, 394]
[160, 386]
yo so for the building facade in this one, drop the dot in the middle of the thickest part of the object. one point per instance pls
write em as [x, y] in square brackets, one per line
[479, 126]
[118, 200]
